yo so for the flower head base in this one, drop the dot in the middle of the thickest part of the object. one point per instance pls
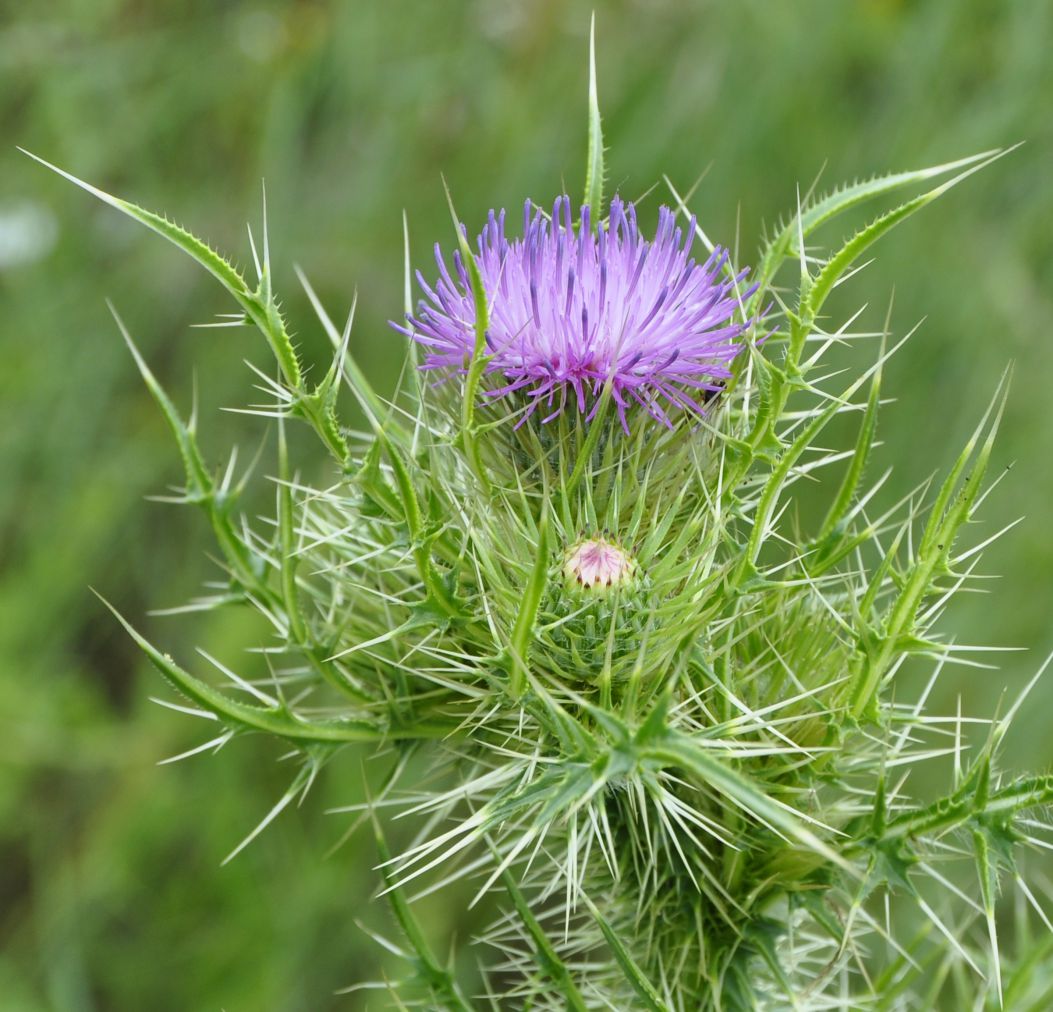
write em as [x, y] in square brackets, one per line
[598, 562]
[573, 309]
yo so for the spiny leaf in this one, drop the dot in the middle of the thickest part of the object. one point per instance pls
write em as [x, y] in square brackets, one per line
[589, 444]
[635, 977]
[273, 720]
[438, 978]
[960, 808]
[949, 513]
[864, 442]
[775, 482]
[201, 488]
[199, 481]
[344, 363]
[594, 171]
[438, 595]
[988, 873]
[547, 958]
[523, 631]
[477, 365]
[286, 548]
[825, 209]
[264, 313]
[196, 248]
[679, 750]
[836, 265]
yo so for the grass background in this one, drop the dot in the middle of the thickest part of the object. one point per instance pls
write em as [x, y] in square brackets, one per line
[111, 891]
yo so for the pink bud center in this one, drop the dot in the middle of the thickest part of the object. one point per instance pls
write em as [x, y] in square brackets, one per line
[598, 563]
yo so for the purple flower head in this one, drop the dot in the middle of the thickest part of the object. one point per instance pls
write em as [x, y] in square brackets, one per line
[570, 310]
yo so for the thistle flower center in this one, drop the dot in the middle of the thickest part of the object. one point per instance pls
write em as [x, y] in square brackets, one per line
[573, 309]
[598, 562]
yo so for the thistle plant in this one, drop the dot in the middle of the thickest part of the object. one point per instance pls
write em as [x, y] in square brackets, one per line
[671, 725]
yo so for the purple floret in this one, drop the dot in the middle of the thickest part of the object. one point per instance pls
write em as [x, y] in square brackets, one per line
[571, 309]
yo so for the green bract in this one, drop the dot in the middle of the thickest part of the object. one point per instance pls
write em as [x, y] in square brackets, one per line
[690, 789]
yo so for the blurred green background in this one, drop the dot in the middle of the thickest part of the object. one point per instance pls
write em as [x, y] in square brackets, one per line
[111, 890]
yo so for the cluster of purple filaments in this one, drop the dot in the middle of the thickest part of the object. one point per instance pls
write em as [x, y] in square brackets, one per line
[571, 309]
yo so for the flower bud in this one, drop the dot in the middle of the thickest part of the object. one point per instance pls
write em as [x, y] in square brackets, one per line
[598, 563]
[597, 611]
